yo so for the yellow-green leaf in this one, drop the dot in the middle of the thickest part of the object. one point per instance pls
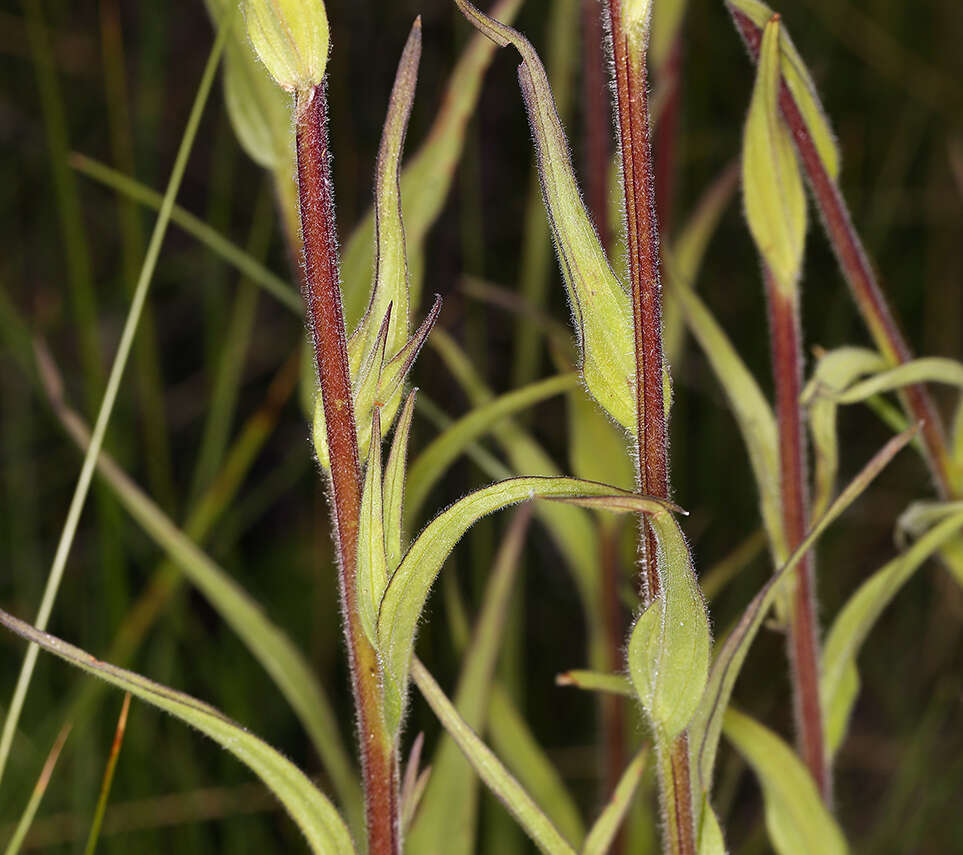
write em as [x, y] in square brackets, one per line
[931, 369]
[797, 78]
[839, 679]
[596, 681]
[311, 811]
[372, 573]
[291, 38]
[394, 485]
[600, 305]
[603, 832]
[771, 180]
[796, 816]
[711, 840]
[669, 647]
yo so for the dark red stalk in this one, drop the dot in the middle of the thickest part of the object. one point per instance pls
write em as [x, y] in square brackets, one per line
[786, 342]
[631, 101]
[326, 319]
[595, 120]
[858, 271]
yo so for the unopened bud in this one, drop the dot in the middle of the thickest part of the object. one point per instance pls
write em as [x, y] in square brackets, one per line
[291, 38]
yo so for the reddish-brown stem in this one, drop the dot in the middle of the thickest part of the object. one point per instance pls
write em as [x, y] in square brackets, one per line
[784, 328]
[667, 134]
[631, 102]
[595, 120]
[858, 271]
[326, 320]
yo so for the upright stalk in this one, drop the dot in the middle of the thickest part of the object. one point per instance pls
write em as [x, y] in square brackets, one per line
[787, 365]
[859, 273]
[326, 320]
[631, 102]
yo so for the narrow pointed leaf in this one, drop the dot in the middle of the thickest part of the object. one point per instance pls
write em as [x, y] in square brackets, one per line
[931, 369]
[427, 177]
[603, 832]
[771, 180]
[600, 304]
[391, 266]
[711, 839]
[796, 817]
[372, 575]
[490, 769]
[408, 588]
[706, 724]
[394, 485]
[839, 680]
[314, 815]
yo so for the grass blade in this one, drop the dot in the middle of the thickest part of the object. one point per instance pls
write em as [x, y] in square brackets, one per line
[603, 832]
[108, 777]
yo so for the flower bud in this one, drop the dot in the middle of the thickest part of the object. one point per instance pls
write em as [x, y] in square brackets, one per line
[291, 38]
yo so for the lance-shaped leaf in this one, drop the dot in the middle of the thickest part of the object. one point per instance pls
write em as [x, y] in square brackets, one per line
[490, 769]
[796, 816]
[600, 305]
[408, 588]
[839, 683]
[669, 648]
[311, 811]
[706, 726]
[372, 575]
[772, 185]
[426, 178]
[931, 369]
[291, 38]
[834, 371]
[596, 681]
[394, 485]
[711, 839]
[796, 77]
[603, 832]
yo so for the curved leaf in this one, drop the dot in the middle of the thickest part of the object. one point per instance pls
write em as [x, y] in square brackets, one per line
[930, 369]
[325, 831]
[490, 769]
[796, 816]
[603, 832]
[839, 680]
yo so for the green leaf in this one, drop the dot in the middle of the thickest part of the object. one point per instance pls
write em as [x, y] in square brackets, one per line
[711, 840]
[448, 818]
[771, 181]
[291, 673]
[752, 412]
[394, 485]
[931, 369]
[706, 725]
[597, 447]
[669, 647]
[796, 76]
[426, 179]
[603, 832]
[311, 811]
[667, 18]
[600, 305]
[431, 464]
[372, 574]
[839, 680]
[596, 681]
[490, 769]
[408, 588]
[835, 370]
[291, 38]
[797, 819]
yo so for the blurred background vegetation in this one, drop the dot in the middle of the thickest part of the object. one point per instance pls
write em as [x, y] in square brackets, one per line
[114, 80]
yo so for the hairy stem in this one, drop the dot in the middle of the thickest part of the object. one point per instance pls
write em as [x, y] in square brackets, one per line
[631, 102]
[784, 327]
[859, 274]
[326, 320]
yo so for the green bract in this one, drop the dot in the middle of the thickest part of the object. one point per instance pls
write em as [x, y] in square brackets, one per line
[600, 304]
[291, 38]
[771, 182]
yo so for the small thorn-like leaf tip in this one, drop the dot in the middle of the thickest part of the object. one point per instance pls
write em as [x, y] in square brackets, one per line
[291, 38]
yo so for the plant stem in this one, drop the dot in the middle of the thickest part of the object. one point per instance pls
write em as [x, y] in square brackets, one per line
[631, 101]
[785, 340]
[326, 320]
[859, 273]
